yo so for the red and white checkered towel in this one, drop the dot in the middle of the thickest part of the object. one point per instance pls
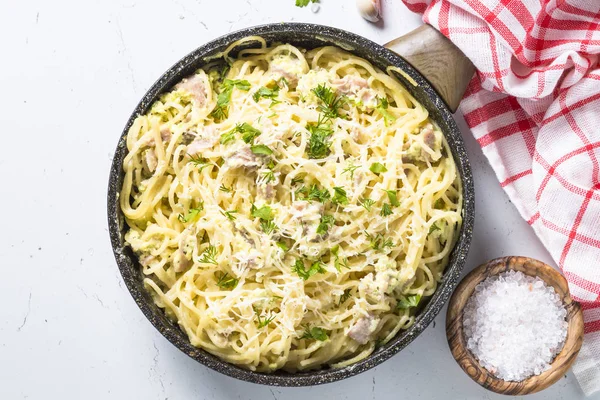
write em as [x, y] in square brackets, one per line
[534, 108]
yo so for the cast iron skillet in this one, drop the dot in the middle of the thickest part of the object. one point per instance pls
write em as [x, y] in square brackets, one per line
[448, 71]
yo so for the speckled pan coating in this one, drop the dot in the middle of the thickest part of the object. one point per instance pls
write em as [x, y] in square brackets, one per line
[307, 36]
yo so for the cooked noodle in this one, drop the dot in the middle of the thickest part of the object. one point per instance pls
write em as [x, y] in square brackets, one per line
[298, 240]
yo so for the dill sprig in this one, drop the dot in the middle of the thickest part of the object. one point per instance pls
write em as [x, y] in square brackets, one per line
[208, 255]
[315, 333]
[330, 103]
[378, 242]
[367, 203]
[227, 282]
[345, 296]
[386, 210]
[351, 168]
[225, 189]
[263, 321]
[318, 142]
[200, 162]
[229, 214]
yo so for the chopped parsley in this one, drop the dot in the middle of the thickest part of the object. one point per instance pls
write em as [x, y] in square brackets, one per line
[264, 213]
[439, 204]
[392, 195]
[208, 255]
[338, 263]
[315, 333]
[304, 3]
[249, 133]
[267, 93]
[330, 104]
[378, 168]
[318, 142]
[382, 108]
[316, 267]
[227, 282]
[221, 110]
[192, 213]
[261, 150]
[339, 196]
[326, 222]
[282, 246]
[268, 227]
[408, 302]
[320, 195]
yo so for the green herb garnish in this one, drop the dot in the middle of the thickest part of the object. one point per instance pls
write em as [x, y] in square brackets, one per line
[366, 203]
[351, 168]
[392, 195]
[318, 142]
[339, 196]
[382, 107]
[315, 333]
[386, 210]
[225, 189]
[330, 103]
[264, 213]
[266, 93]
[338, 263]
[316, 267]
[317, 194]
[227, 282]
[304, 3]
[229, 214]
[282, 246]
[345, 296]
[261, 149]
[262, 322]
[378, 168]
[192, 213]
[434, 228]
[208, 255]
[379, 242]
[249, 133]
[221, 110]
[326, 222]
[408, 302]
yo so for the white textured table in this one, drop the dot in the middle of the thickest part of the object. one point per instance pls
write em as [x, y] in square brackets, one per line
[70, 74]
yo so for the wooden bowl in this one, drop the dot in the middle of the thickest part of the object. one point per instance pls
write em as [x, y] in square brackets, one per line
[469, 364]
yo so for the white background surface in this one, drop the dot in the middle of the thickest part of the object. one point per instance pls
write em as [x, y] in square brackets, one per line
[70, 74]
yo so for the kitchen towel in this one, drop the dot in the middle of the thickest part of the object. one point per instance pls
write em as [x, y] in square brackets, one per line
[534, 107]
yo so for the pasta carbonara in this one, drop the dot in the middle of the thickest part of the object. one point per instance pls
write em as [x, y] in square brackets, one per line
[290, 208]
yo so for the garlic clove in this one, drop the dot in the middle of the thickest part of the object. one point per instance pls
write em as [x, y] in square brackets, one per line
[369, 9]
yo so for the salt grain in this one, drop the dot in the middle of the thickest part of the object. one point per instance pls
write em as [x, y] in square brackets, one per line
[514, 325]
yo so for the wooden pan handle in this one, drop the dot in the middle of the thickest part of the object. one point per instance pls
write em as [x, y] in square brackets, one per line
[438, 60]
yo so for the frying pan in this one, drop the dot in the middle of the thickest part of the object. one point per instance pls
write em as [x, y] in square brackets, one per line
[436, 74]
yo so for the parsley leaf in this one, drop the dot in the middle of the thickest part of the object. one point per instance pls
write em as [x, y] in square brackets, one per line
[319, 195]
[221, 110]
[382, 107]
[316, 267]
[261, 149]
[265, 213]
[378, 168]
[192, 213]
[268, 227]
[315, 333]
[326, 222]
[408, 302]
[392, 195]
[282, 246]
[227, 282]
[339, 196]
[228, 136]
[330, 103]
[304, 3]
[249, 133]
[266, 93]
[318, 142]
[338, 264]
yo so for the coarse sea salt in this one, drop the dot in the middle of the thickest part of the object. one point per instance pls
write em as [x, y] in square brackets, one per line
[515, 325]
